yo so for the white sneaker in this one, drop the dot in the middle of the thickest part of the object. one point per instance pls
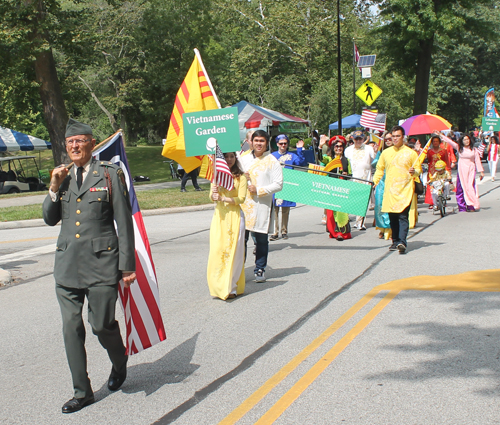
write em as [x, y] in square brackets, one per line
[259, 276]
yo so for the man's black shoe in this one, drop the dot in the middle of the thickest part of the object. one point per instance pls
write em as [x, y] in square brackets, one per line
[183, 190]
[393, 247]
[76, 404]
[402, 248]
[116, 379]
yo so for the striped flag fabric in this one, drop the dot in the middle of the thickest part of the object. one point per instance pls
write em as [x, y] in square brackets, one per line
[225, 178]
[207, 169]
[356, 55]
[334, 163]
[372, 120]
[423, 154]
[195, 94]
[315, 169]
[481, 148]
[141, 301]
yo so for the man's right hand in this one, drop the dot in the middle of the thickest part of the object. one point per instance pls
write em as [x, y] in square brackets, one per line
[58, 176]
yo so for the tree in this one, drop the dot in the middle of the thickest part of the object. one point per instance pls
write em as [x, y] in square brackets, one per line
[411, 29]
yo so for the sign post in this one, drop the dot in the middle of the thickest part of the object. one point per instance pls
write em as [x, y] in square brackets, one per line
[369, 92]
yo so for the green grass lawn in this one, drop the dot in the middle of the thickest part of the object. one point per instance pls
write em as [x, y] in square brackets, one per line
[143, 161]
[148, 200]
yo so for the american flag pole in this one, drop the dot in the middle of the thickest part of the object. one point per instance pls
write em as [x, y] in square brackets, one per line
[215, 164]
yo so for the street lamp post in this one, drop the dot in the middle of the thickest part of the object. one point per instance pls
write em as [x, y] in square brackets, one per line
[339, 76]
[467, 112]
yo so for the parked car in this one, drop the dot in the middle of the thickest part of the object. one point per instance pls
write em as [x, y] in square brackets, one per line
[13, 178]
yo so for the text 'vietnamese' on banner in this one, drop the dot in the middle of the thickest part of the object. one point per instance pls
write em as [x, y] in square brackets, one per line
[348, 196]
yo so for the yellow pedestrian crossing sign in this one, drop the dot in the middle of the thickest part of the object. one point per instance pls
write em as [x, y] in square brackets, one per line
[368, 92]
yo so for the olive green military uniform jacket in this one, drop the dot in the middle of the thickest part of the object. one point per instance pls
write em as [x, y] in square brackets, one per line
[89, 250]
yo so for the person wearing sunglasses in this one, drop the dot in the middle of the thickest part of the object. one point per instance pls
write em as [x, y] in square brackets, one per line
[285, 158]
[361, 156]
[337, 223]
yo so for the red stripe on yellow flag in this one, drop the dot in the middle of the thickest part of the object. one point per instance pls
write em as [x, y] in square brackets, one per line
[194, 95]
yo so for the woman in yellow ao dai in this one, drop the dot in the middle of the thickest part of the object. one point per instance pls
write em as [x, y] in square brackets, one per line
[226, 260]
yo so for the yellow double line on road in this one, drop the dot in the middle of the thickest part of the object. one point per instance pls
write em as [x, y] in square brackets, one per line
[480, 281]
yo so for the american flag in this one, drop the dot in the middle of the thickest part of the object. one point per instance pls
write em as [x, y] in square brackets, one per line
[372, 120]
[356, 55]
[480, 149]
[141, 301]
[224, 176]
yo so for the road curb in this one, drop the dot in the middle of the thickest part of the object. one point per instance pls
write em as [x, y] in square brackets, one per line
[38, 222]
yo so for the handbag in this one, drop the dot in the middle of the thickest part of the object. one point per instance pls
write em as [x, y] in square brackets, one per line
[419, 187]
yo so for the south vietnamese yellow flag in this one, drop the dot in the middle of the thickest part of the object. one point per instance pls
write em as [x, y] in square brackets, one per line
[195, 94]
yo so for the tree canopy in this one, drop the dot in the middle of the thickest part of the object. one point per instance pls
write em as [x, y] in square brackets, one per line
[120, 63]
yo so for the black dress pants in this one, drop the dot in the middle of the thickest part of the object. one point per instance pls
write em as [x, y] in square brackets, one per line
[400, 225]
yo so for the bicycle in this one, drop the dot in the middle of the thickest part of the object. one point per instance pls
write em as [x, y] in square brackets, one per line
[173, 172]
[438, 186]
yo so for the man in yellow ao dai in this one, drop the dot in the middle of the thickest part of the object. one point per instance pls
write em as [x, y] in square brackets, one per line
[400, 165]
[265, 177]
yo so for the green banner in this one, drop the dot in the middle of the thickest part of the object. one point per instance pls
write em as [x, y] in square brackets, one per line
[292, 127]
[349, 196]
[491, 124]
[201, 129]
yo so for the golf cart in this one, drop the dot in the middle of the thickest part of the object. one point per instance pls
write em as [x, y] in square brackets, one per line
[13, 178]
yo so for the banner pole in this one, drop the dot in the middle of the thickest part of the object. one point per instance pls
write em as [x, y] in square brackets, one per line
[197, 53]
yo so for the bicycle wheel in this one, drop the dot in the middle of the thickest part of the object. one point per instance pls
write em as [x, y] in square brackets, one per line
[172, 171]
[441, 206]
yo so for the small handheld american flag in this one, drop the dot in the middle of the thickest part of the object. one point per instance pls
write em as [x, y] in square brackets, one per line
[224, 176]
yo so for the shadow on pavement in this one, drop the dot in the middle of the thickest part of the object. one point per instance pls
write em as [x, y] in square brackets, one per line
[448, 350]
[173, 368]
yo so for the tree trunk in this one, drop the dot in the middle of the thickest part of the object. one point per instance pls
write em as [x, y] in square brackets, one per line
[424, 61]
[54, 109]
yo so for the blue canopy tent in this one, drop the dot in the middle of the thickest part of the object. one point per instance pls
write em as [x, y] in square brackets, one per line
[347, 122]
[11, 141]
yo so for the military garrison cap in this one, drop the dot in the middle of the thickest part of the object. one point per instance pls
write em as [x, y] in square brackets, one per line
[75, 128]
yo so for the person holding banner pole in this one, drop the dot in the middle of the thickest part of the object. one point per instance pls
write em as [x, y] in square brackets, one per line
[285, 157]
[337, 223]
[401, 165]
[226, 260]
[360, 156]
[265, 177]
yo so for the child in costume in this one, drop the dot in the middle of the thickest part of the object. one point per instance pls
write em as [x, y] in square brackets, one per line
[440, 182]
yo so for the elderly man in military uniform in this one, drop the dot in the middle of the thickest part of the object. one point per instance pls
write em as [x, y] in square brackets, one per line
[91, 256]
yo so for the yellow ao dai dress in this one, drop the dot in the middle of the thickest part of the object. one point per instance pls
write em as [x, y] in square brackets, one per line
[226, 260]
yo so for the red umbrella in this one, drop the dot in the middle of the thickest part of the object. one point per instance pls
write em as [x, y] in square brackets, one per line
[425, 124]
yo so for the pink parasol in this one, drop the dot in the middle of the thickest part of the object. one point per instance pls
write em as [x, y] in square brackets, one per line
[425, 124]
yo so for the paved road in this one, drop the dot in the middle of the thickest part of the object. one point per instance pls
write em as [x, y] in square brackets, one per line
[307, 347]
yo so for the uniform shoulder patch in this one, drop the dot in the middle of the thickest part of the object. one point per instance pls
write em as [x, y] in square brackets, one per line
[121, 176]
